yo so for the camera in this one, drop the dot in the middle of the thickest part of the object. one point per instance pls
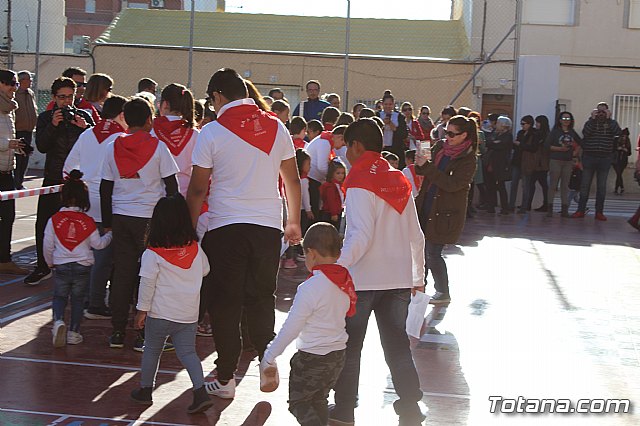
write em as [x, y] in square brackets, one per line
[68, 113]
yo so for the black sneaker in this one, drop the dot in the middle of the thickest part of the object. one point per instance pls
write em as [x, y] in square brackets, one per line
[97, 313]
[37, 276]
[201, 401]
[138, 346]
[142, 396]
[168, 346]
[339, 417]
[117, 340]
[439, 298]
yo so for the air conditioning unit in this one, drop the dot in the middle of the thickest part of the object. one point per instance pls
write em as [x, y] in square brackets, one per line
[157, 4]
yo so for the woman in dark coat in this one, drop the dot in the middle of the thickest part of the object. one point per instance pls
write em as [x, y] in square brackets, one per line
[442, 201]
[496, 162]
[621, 158]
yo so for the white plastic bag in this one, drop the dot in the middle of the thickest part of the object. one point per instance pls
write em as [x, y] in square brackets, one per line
[415, 316]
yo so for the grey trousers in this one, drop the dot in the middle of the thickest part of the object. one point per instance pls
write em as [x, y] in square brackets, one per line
[183, 337]
[560, 171]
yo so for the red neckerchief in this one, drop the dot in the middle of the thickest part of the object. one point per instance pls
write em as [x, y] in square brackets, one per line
[328, 127]
[254, 126]
[204, 209]
[328, 136]
[174, 133]
[298, 143]
[182, 257]
[106, 128]
[72, 228]
[417, 179]
[373, 173]
[340, 276]
[133, 152]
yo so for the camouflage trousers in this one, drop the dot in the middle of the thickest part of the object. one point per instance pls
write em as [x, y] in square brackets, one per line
[311, 378]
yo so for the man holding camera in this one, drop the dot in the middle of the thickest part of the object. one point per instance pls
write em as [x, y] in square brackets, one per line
[56, 132]
[599, 135]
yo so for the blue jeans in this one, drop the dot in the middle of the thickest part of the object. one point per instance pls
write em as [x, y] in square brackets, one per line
[390, 307]
[100, 273]
[183, 337]
[434, 262]
[71, 278]
[599, 166]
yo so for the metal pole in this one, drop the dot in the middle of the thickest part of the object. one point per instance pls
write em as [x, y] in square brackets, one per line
[345, 95]
[516, 54]
[193, 14]
[9, 39]
[476, 72]
[36, 68]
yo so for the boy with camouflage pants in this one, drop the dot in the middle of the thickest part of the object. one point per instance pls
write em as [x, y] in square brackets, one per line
[317, 320]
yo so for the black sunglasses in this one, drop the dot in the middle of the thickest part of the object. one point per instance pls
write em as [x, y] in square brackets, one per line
[451, 134]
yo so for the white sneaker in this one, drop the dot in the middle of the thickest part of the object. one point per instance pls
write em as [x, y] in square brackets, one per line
[74, 338]
[269, 377]
[59, 334]
[216, 388]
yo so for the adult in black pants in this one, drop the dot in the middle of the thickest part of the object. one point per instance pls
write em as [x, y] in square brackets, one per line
[245, 220]
[26, 116]
[496, 162]
[57, 130]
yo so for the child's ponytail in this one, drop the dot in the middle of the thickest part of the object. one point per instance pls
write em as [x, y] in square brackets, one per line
[181, 100]
[74, 191]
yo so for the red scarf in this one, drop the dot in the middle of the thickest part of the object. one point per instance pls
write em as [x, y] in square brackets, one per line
[182, 257]
[254, 126]
[452, 151]
[417, 179]
[340, 276]
[106, 128]
[174, 133]
[72, 228]
[328, 136]
[373, 173]
[133, 152]
[298, 143]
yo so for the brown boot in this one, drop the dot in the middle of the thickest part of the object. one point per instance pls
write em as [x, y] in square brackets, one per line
[12, 269]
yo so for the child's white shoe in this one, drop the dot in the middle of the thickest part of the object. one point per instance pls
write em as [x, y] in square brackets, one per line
[74, 338]
[59, 334]
[216, 388]
[269, 377]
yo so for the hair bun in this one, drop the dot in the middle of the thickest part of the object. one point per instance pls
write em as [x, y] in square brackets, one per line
[387, 93]
[75, 175]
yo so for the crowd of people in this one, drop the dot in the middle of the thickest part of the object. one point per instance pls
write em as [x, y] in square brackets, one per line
[187, 209]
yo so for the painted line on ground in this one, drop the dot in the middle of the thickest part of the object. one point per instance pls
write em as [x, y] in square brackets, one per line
[59, 415]
[13, 281]
[24, 313]
[80, 364]
[22, 240]
[58, 420]
[25, 301]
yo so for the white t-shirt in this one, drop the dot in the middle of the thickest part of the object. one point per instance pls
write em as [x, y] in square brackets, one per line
[319, 150]
[57, 254]
[414, 189]
[87, 155]
[138, 197]
[377, 236]
[183, 160]
[244, 184]
[316, 319]
[306, 197]
[169, 292]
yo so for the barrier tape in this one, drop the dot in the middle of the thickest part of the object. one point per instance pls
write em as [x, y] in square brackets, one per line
[22, 193]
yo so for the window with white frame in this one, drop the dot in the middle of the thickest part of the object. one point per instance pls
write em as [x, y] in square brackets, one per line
[634, 14]
[549, 12]
[90, 6]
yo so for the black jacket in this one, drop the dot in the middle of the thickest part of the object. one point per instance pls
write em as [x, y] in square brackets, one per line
[56, 143]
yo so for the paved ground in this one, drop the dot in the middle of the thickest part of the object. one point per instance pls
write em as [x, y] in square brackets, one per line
[542, 308]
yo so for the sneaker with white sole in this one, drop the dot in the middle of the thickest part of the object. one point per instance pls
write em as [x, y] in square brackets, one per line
[439, 298]
[216, 388]
[37, 276]
[101, 313]
[73, 338]
[59, 334]
[269, 377]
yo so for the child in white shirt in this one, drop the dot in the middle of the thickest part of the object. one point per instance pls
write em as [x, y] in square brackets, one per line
[171, 273]
[317, 320]
[69, 237]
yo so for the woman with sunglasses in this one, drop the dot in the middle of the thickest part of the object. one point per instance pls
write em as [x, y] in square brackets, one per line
[9, 146]
[561, 143]
[496, 163]
[442, 201]
[413, 127]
